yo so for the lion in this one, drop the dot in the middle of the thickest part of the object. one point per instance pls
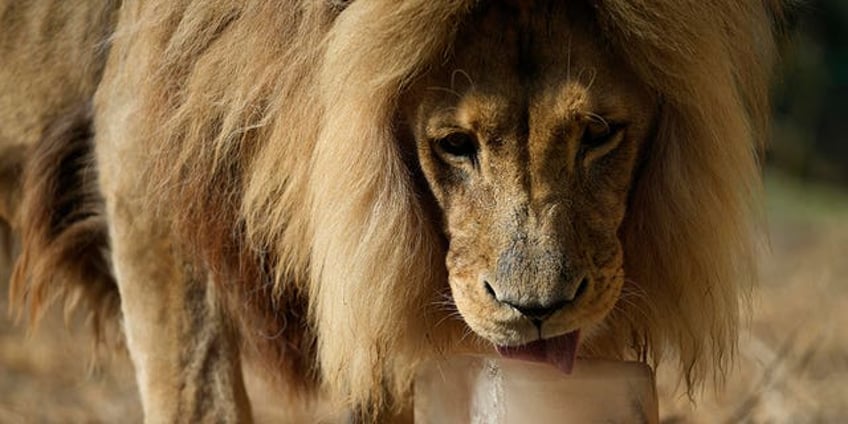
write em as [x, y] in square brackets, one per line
[340, 191]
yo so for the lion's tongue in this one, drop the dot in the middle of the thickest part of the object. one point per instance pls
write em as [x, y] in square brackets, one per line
[558, 351]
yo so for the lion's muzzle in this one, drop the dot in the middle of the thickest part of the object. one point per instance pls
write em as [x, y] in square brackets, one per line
[539, 306]
[537, 280]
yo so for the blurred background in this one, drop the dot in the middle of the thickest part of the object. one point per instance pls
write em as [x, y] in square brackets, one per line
[810, 125]
[793, 358]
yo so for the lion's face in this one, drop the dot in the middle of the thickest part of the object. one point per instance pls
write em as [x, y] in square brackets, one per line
[529, 137]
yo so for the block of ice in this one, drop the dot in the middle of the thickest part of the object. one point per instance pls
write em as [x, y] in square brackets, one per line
[478, 390]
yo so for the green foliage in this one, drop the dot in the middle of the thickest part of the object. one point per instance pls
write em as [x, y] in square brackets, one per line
[810, 136]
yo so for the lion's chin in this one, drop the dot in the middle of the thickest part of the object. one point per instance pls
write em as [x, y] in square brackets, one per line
[560, 351]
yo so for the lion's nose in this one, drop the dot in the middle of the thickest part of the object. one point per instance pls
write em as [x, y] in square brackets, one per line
[539, 311]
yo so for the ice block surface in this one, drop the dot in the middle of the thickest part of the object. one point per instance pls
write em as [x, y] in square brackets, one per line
[471, 389]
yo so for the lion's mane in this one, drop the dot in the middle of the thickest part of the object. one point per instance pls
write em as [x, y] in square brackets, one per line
[273, 147]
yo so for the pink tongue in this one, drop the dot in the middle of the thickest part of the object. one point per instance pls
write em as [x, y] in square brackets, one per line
[559, 351]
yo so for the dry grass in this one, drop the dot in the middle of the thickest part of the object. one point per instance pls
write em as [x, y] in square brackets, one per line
[50, 376]
[792, 368]
[793, 360]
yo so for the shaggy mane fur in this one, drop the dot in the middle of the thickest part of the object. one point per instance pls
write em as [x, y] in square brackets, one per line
[276, 157]
[63, 230]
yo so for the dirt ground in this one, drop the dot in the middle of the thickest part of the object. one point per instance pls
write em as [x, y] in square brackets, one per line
[792, 367]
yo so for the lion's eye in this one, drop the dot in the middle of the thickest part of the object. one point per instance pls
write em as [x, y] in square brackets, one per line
[339, 4]
[457, 146]
[599, 133]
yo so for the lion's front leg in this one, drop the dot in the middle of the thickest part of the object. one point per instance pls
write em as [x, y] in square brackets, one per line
[181, 343]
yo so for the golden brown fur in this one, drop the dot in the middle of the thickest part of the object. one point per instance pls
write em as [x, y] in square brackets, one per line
[12, 162]
[267, 146]
[53, 55]
[63, 229]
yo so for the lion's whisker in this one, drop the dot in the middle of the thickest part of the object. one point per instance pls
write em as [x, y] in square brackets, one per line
[463, 73]
[591, 81]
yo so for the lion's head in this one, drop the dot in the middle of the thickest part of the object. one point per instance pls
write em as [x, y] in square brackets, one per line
[529, 136]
